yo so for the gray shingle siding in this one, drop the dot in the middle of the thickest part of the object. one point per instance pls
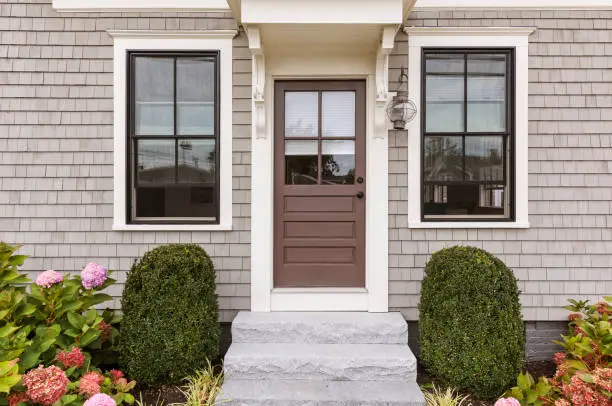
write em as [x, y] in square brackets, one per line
[56, 141]
[567, 252]
[56, 145]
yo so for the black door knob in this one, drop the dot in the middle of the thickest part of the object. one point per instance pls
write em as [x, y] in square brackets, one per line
[360, 180]
[360, 195]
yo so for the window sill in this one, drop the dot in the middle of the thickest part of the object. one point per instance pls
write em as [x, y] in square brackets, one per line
[172, 227]
[468, 224]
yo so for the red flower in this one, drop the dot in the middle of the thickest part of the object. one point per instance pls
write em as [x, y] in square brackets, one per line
[582, 394]
[574, 316]
[115, 375]
[90, 383]
[46, 385]
[74, 358]
[602, 307]
[559, 358]
[602, 377]
[106, 329]
[18, 397]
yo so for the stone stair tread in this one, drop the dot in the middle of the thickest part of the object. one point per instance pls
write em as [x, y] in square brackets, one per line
[320, 327]
[319, 393]
[349, 362]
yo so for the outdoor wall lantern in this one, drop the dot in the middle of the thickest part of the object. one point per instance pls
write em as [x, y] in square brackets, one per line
[401, 109]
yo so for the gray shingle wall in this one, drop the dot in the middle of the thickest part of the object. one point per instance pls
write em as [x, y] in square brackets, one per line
[568, 250]
[56, 145]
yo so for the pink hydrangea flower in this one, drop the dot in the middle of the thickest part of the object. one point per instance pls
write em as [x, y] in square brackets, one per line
[116, 375]
[90, 383]
[507, 402]
[46, 385]
[93, 275]
[559, 358]
[100, 400]
[48, 279]
[74, 358]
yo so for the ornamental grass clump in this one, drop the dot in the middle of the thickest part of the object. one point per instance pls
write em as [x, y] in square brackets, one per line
[170, 315]
[471, 327]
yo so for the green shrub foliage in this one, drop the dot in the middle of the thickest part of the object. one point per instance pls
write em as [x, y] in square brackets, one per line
[472, 332]
[170, 326]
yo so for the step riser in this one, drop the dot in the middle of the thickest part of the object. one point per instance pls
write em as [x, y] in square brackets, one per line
[359, 369]
[320, 328]
[299, 393]
[306, 334]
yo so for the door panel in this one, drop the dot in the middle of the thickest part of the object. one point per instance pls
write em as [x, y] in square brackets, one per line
[319, 224]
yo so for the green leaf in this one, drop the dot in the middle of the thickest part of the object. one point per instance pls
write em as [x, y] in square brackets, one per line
[67, 399]
[128, 398]
[577, 364]
[17, 260]
[90, 336]
[588, 378]
[7, 382]
[76, 320]
[8, 330]
[532, 397]
[90, 316]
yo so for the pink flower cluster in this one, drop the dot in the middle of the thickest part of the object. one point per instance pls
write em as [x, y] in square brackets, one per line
[17, 397]
[582, 394]
[93, 275]
[74, 358]
[100, 400]
[559, 358]
[46, 385]
[48, 279]
[115, 375]
[106, 329]
[507, 402]
[90, 383]
[602, 377]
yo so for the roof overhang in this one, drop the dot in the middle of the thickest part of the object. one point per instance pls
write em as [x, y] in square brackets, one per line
[327, 26]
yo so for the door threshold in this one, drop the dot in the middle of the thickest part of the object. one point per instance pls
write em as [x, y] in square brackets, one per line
[319, 299]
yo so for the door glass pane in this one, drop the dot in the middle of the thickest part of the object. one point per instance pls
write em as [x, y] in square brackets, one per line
[195, 99]
[301, 114]
[301, 162]
[338, 110]
[154, 96]
[445, 93]
[443, 159]
[155, 162]
[484, 158]
[196, 162]
[338, 162]
[486, 93]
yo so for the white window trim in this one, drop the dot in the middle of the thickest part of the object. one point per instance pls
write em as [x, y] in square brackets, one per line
[517, 38]
[83, 6]
[217, 40]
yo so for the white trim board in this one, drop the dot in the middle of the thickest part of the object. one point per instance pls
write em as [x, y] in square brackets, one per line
[151, 40]
[311, 65]
[140, 5]
[513, 4]
[517, 38]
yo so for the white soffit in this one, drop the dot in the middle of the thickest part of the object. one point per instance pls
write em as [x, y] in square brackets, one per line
[513, 4]
[140, 5]
[322, 11]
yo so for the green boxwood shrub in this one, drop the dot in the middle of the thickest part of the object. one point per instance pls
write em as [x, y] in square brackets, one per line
[170, 326]
[471, 327]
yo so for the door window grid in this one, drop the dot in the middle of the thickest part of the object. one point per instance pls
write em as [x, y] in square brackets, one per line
[466, 167]
[319, 148]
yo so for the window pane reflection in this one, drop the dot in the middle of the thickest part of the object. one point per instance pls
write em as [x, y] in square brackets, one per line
[301, 114]
[154, 95]
[338, 162]
[301, 162]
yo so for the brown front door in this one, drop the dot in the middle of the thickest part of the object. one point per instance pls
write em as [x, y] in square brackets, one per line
[319, 222]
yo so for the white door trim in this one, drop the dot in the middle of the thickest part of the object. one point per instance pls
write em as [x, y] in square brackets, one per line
[264, 298]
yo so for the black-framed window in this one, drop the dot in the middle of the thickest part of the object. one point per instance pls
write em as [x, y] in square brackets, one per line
[173, 142]
[467, 134]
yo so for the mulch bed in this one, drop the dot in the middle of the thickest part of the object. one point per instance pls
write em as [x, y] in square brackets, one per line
[172, 394]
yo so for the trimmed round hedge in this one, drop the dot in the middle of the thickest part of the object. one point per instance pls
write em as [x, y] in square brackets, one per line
[471, 327]
[170, 325]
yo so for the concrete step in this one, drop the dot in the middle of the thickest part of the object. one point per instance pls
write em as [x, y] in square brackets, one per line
[331, 362]
[319, 393]
[320, 328]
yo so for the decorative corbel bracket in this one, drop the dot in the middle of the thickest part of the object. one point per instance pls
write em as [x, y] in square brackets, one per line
[259, 81]
[382, 79]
